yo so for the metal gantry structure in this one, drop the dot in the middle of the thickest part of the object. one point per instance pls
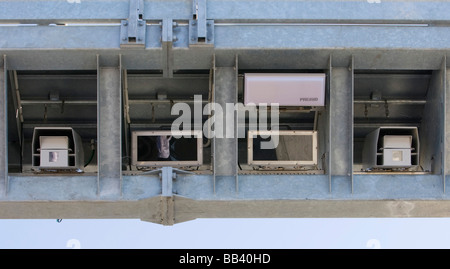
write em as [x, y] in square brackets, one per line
[106, 68]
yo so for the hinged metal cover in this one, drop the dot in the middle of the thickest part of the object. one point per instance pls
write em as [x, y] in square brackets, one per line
[285, 89]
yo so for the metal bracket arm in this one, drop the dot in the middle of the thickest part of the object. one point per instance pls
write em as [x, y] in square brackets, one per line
[132, 30]
[167, 175]
[201, 30]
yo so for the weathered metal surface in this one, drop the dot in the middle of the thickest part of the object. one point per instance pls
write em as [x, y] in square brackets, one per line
[109, 132]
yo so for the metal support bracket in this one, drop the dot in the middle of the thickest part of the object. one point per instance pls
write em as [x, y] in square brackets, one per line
[201, 30]
[132, 30]
[167, 174]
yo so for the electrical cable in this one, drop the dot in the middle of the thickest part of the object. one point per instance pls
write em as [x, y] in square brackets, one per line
[92, 154]
[90, 158]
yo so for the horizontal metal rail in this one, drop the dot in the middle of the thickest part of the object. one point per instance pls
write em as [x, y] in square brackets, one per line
[397, 102]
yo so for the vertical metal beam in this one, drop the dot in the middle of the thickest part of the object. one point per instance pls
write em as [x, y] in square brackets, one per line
[225, 147]
[328, 122]
[109, 132]
[167, 44]
[126, 117]
[341, 122]
[167, 176]
[3, 128]
[445, 118]
[351, 119]
[236, 122]
[211, 99]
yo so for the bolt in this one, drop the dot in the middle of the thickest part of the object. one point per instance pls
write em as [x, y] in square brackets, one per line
[141, 23]
[193, 23]
[125, 23]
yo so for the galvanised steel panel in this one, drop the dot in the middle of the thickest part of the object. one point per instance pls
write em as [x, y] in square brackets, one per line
[66, 10]
[326, 11]
[282, 36]
[75, 188]
[199, 59]
[251, 36]
[247, 10]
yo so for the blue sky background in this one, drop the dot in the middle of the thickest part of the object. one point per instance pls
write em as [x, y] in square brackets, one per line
[400, 233]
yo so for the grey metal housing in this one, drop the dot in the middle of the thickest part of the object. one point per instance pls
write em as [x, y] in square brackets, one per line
[75, 154]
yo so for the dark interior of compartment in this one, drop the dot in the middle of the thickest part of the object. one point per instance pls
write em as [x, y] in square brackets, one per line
[181, 149]
[146, 148]
[384, 98]
[260, 154]
[50, 98]
[289, 148]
